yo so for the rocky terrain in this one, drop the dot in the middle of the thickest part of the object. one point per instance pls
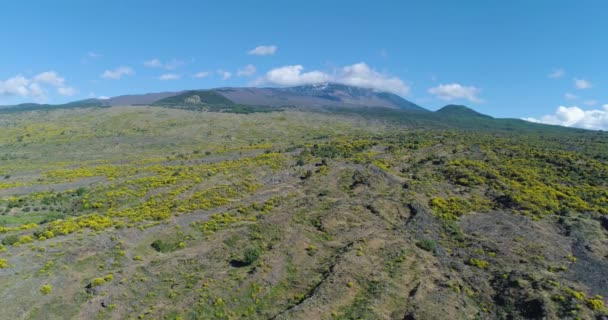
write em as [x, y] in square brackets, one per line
[224, 212]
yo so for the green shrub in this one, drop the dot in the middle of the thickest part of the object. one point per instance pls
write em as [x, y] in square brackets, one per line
[482, 264]
[596, 303]
[251, 255]
[10, 240]
[46, 289]
[428, 245]
[163, 246]
[98, 282]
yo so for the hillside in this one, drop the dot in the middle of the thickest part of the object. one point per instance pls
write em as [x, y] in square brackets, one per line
[460, 111]
[165, 213]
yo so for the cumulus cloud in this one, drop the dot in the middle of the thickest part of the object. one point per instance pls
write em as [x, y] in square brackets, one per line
[21, 86]
[361, 75]
[558, 73]
[263, 50]
[224, 74]
[117, 73]
[582, 84]
[574, 116]
[168, 65]
[17, 86]
[247, 71]
[358, 74]
[293, 76]
[201, 74]
[50, 78]
[66, 91]
[570, 96]
[455, 91]
[169, 76]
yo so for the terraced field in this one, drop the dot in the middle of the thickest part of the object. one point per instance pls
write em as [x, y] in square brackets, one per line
[155, 213]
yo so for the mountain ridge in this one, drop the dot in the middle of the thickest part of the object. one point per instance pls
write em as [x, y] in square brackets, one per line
[322, 97]
[315, 95]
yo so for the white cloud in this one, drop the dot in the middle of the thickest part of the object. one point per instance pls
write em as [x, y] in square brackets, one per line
[169, 76]
[169, 65]
[454, 91]
[359, 74]
[201, 74]
[224, 74]
[35, 91]
[293, 76]
[582, 84]
[49, 77]
[153, 63]
[21, 86]
[103, 97]
[15, 86]
[590, 103]
[93, 55]
[66, 91]
[263, 50]
[574, 116]
[558, 73]
[247, 71]
[570, 96]
[117, 73]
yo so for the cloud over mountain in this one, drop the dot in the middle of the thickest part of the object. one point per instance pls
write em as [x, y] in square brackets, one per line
[358, 74]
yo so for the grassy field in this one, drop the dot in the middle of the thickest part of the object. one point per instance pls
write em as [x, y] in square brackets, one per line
[156, 213]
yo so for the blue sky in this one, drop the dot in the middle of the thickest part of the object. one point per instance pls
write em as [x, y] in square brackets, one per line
[504, 58]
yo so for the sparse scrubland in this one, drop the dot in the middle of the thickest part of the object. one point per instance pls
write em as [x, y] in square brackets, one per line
[158, 213]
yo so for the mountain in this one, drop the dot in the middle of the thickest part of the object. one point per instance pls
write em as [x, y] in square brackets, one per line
[318, 95]
[306, 96]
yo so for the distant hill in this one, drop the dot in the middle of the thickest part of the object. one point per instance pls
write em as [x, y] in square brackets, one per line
[138, 99]
[194, 97]
[460, 111]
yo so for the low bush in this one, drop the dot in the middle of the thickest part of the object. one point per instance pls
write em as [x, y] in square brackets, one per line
[251, 255]
[428, 245]
[46, 289]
